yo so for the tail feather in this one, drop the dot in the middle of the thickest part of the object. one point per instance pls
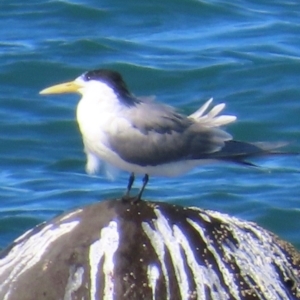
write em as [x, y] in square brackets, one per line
[211, 117]
[239, 152]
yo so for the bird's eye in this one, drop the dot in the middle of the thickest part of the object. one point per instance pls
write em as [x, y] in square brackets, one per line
[87, 77]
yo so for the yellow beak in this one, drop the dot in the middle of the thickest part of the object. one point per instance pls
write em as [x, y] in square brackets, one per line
[67, 87]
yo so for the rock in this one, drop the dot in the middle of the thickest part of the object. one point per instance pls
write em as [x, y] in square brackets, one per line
[148, 250]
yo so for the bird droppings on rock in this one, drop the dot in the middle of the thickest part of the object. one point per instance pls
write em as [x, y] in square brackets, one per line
[148, 250]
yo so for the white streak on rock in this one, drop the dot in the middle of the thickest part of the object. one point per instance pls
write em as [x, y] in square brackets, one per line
[256, 255]
[200, 273]
[105, 247]
[95, 255]
[74, 282]
[23, 236]
[213, 278]
[162, 226]
[205, 217]
[71, 214]
[159, 248]
[153, 275]
[27, 253]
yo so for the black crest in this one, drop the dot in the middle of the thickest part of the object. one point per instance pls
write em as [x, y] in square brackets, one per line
[115, 81]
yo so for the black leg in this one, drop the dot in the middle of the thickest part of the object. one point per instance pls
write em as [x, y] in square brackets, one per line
[145, 181]
[129, 185]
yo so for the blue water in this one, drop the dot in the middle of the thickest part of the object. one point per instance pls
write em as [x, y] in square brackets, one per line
[243, 53]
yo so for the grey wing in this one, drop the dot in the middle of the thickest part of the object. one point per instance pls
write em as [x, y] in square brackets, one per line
[160, 135]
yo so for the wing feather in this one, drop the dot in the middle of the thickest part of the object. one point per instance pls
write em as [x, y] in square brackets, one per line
[158, 134]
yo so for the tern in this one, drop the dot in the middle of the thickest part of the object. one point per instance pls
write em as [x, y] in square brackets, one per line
[143, 136]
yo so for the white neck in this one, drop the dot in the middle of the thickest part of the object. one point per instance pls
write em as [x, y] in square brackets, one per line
[97, 111]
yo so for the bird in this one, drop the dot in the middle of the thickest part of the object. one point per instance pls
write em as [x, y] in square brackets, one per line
[143, 136]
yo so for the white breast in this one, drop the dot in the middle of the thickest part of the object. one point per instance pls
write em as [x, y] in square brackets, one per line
[99, 117]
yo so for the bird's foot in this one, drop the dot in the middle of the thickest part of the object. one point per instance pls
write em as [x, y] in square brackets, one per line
[126, 198]
[131, 199]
